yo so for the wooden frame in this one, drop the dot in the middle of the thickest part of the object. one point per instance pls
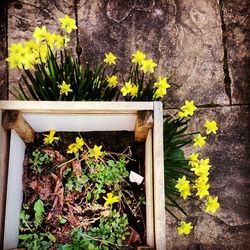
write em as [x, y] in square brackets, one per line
[149, 129]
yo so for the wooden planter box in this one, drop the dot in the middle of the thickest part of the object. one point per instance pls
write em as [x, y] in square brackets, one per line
[21, 117]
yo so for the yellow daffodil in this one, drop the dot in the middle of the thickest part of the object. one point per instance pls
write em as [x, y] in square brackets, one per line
[199, 140]
[148, 66]
[134, 90]
[28, 61]
[211, 127]
[187, 109]
[112, 81]
[160, 92]
[184, 228]
[75, 147]
[16, 48]
[110, 199]
[183, 187]
[212, 204]
[61, 41]
[15, 61]
[96, 152]
[129, 89]
[138, 57]
[50, 138]
[67, 23]
[202, 169]
[202, 190]
[193, 160]
[65, 88]
[40, 34]
[162, 83]
[110, 58]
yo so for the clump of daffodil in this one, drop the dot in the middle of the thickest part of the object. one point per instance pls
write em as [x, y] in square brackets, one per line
[110, 58]
[211, 127]
[161, 87]
[50, 138]
[110, 199]
[212, 204]
[65, 88]
[183, 187]
[112, 81]
[76, 147]
[199, 140]
[138, 57]
[187, 109]
[129, 88]
[96, 152]
[68, 24]
[184, 228]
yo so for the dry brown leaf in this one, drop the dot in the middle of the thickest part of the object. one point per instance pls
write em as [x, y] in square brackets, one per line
[77, 169]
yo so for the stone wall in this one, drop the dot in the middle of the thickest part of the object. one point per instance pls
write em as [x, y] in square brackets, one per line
[205, 45]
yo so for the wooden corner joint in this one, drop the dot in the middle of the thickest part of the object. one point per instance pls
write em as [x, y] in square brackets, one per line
[13, 119]
[144, 122]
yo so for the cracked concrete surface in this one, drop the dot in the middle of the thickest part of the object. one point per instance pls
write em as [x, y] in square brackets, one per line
[205, 45]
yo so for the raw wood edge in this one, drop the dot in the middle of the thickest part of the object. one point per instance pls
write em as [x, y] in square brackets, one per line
[149, 189]
[144, 122]
[13, 119]
[4, 139]
[159, 194]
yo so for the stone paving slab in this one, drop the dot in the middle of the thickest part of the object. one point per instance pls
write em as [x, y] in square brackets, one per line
[229, 153]
[237, 25]
[184, 37]
[24, 16]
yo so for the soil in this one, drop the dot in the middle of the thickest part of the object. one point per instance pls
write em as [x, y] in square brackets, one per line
[49, 186]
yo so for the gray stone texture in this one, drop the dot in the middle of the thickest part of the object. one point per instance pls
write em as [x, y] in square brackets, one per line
[24, 16]
[237, 28]
[183, 37]
[229, 154]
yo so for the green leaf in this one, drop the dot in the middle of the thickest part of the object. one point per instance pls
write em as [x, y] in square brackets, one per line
[39, 210]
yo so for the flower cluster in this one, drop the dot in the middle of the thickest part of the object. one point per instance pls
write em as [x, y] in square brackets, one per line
[29, 53]
[200, 168]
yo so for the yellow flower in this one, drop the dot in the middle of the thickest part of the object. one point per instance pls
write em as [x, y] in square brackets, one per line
[162, 83]
[16, 48]
[112, 81]
[211, 127]
[68, 24]
[40, 34]
[160, 92]
[138, 57]
[109, 58]
[50, 138]
[129, 88]
[183, 187]
[73, 148]
[28, 61]
[212, 204]
[148, 66]
[61, 41]
[187, 109]
[184, 228]
[134, 90]
[202, 190]
[202, 169]
[15, 61]
[193, 160]
[110, 199]
[65, 88]
[96, 152]
[199, 140]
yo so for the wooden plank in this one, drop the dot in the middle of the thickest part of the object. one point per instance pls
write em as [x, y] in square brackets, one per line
[75, 107]
[144, 122]
[149, 189]
[4, 142]
[159, 195]
[13, 119]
